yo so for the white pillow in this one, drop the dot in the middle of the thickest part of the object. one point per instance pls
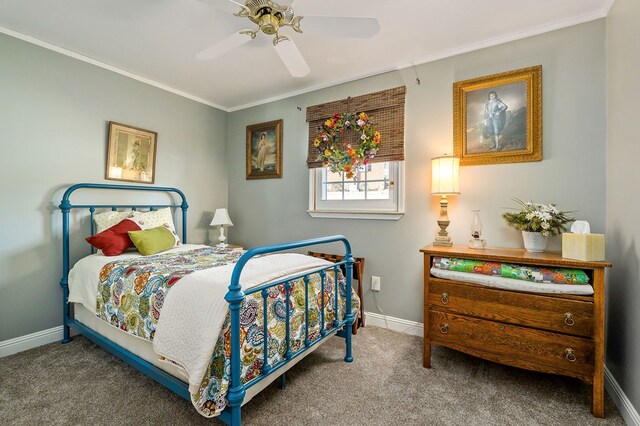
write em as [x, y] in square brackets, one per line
[107, 219]
[153, 219]
[146, 220]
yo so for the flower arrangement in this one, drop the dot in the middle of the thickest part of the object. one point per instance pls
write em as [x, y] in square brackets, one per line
[535, 217]
[341, 156]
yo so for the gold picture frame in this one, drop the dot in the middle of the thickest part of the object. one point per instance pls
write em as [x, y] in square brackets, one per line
[264, 150]
[131, 154]
[497, 119]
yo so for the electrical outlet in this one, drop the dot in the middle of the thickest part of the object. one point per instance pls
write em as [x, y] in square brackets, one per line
[375, 283]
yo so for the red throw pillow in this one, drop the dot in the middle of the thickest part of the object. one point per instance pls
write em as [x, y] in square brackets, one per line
[115, 240]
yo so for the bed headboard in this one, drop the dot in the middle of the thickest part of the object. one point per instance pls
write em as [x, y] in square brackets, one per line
[66, 207]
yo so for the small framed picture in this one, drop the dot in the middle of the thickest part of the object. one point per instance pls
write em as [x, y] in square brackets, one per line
[264, 150]
[498, 118]
[131, 154]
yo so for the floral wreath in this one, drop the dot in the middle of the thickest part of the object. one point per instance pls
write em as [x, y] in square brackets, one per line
[343, 157]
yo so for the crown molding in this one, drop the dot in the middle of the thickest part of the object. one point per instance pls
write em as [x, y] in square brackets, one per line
[564, 23]
[598, 14]
[607, 7]
[92, 61]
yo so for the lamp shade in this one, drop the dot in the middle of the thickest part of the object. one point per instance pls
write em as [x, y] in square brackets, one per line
[445, 175]
[221, 217]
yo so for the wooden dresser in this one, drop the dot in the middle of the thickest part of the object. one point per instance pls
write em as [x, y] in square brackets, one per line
[554, 333]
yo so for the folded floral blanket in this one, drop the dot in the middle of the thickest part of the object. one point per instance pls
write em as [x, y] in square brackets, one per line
[508, 270]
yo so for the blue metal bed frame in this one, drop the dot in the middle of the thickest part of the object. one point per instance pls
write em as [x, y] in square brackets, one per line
[237, 390]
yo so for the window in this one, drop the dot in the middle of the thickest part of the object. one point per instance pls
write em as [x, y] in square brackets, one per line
[375, 192]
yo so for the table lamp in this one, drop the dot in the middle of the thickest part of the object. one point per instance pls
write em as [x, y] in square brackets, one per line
[445, 173]
[221, 218]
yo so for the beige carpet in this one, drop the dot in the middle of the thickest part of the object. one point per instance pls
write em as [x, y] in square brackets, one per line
[81, 384]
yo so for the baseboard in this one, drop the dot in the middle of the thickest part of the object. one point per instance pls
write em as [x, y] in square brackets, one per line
[30, 341]
[395, 324]
[626, 408]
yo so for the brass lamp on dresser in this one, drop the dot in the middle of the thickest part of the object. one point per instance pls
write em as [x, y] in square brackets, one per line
[554, 333]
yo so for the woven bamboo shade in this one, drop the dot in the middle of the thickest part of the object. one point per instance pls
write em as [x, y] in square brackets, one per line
[385, 110]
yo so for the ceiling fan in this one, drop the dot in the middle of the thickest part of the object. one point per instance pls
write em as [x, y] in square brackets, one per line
[270, 16]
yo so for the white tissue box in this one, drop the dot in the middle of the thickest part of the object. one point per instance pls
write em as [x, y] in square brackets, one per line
[588, 247]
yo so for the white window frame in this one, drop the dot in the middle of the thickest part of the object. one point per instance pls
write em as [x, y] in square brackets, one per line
[358, 209]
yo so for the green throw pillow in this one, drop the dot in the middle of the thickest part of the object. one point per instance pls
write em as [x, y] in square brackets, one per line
[152, 241]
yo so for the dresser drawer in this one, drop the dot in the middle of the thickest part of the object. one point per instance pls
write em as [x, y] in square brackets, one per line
[513, 345]
[544, 312]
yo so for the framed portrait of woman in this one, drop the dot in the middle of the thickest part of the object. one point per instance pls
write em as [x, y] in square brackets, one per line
[498, 118]
[264, 150]
[131, 154]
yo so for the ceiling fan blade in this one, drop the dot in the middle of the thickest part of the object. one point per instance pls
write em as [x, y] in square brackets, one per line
[292, 58]
[230, 6]
[219, 49]
[340, 26]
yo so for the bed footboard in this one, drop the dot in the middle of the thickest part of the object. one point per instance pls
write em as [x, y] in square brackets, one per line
[235, 296]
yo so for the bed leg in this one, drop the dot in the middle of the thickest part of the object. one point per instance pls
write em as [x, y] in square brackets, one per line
[66, 334]
[349, 316]
[349, 356]
[283, 381]
[235, 416]
[66, 308]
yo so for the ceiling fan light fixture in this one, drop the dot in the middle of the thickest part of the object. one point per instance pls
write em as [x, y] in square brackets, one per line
[269, 17]
[269, 23]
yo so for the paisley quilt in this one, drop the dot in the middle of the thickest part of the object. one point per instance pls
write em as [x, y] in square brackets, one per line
[132, 292]
[518, 272]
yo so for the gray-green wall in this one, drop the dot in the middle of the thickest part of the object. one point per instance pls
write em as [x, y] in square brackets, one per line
[623, 195]
[572, 173]
[54, 112]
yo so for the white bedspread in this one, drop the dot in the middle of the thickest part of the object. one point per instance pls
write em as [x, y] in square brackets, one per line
[194, 310]
[512, 284]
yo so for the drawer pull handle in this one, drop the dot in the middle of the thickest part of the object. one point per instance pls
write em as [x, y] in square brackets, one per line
[444, 297]
[571, 357]
[568, 319]
[444, 328]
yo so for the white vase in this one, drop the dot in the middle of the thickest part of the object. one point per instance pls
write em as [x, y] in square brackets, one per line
[534, 241]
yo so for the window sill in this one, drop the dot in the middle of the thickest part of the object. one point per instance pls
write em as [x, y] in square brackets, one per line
[336, 214]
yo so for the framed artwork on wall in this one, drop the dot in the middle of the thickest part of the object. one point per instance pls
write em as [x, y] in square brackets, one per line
[264, 150]
[498, 118]
[131, 154]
